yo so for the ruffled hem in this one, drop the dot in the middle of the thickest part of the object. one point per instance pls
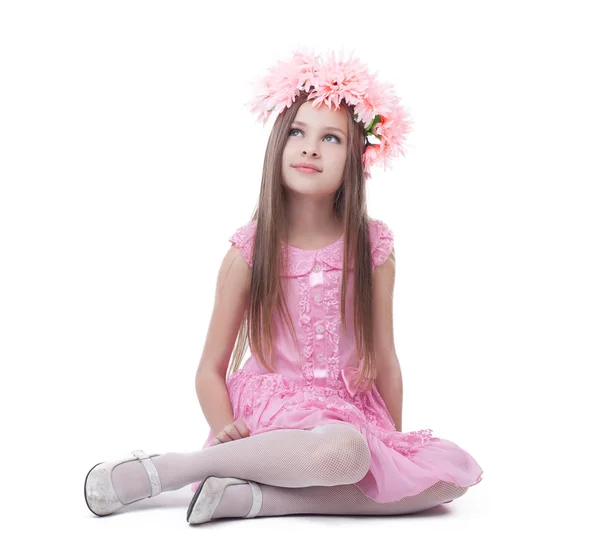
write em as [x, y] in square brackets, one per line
[402, 463]
[392, 475]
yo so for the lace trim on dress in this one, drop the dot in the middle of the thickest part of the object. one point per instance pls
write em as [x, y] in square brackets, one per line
[306, 323]
[332, 320]
[243, 238]
[382, 242]
[301, 261]
[250, 392]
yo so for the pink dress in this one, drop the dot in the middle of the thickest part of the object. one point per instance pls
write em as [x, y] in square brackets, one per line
[317, 386]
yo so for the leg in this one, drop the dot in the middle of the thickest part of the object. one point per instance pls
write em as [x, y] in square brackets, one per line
[329, 500]
[339, 454]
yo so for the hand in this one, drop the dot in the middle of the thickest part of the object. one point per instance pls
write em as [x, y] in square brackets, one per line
[231, 432]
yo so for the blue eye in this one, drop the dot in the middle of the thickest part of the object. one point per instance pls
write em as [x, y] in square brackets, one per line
[334, 136]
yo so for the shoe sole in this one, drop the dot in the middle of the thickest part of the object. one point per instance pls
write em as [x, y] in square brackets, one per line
[85, 492]
[195, 499]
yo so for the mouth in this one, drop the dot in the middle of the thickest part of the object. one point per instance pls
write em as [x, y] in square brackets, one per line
[307, 169]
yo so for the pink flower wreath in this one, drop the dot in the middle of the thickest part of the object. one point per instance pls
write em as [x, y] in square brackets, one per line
[386, 121]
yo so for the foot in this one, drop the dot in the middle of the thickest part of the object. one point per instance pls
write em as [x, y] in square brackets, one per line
[99, 491]
[205, 502]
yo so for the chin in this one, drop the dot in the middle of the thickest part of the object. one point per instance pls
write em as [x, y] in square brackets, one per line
[302, 190]
[295, 183]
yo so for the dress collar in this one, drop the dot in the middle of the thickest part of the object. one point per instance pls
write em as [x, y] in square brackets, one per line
[301, 262]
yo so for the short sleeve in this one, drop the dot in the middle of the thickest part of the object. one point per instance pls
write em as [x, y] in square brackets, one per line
[243, 239]
[382, 242]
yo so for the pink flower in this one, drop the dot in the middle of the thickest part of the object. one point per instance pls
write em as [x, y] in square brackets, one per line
[340, 80]
[378, 100]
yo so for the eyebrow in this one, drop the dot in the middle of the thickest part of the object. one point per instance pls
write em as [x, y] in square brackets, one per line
[328, 128]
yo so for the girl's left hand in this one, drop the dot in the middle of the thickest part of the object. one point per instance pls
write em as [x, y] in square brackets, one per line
[231, 432]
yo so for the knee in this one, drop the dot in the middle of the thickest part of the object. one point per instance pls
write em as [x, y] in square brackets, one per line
[346, 454]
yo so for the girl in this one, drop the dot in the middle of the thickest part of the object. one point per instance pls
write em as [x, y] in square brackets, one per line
[312, 422]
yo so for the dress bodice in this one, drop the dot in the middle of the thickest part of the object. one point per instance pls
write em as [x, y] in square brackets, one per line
[312, 284]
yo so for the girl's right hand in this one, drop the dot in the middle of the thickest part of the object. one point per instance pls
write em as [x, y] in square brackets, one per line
[231, 432]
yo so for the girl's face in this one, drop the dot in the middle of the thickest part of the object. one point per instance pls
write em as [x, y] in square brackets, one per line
[318, 136]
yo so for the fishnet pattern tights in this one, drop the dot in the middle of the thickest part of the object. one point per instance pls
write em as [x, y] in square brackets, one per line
[328, 500]
[328, 455]
[299, 471]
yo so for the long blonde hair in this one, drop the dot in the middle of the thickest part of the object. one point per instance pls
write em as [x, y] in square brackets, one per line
[266, 285]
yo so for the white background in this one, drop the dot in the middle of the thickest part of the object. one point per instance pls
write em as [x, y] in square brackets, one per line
[128, 158]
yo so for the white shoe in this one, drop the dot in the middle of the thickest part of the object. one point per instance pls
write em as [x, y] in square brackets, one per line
[209, 494]
[98, 489]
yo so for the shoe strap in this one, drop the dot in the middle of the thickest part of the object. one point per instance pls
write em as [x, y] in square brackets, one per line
[151, 470]
[256, 500]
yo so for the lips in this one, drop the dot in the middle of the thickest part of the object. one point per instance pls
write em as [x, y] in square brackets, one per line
[307, 165]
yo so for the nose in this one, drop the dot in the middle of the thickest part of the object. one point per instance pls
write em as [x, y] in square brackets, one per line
[313, 152]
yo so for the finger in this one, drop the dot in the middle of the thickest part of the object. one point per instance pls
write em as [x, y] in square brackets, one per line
[232, 431]
[242, 428]
[248, 430]
[222, 437]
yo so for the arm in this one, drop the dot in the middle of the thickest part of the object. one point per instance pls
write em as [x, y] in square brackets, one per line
[389, 375]
[231, 300]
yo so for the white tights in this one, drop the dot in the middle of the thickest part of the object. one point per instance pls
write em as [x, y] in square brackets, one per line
[328, 500]
[300, 471]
